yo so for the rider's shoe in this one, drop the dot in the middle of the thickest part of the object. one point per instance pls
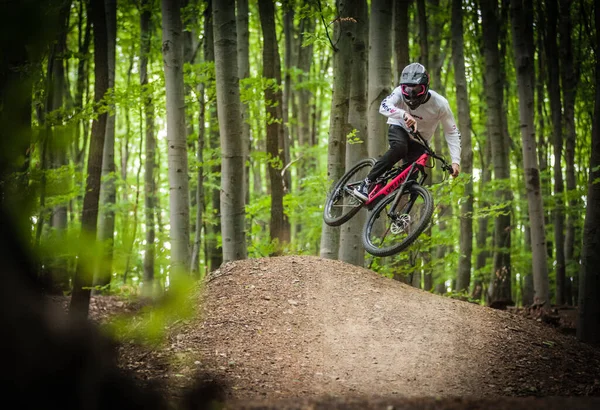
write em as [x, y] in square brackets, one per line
[362, 192]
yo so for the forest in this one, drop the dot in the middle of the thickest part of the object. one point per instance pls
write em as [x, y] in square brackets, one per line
[147, 143]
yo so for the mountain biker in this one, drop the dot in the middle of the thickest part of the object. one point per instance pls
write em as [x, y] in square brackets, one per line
[412, 103]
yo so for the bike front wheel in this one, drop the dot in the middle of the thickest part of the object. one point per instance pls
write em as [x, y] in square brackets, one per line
[388, 231]
[341, 205]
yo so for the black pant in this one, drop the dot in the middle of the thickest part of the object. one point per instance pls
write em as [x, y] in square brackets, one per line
[401, 147]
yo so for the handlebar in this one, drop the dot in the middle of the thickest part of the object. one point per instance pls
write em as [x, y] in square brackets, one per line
[445, 166]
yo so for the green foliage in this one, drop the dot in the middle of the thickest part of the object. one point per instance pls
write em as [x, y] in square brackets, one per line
[352, 138]
[153, 323]
[67, 130]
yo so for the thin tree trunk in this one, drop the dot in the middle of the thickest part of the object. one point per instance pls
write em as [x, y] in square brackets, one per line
[543, 140]
[179, 203]
[108, 189]
[230, 117]
[279, 228]
[401, 36]
[426, 253]
[483, 222]
[338, 125]
[214, 253]
[351, 248]
[305, 57]
[522, 34]
[553, 84]
[499, 292]
[380, 73]
[286, 135]
[136, 206]
[570, 80]
[82, 281]
[243, 44]
[423, 43]
[57, 278]
[463, 279]
[150, 163]
[195, 269]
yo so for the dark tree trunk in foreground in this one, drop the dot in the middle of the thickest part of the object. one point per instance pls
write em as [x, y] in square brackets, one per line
[80, 299]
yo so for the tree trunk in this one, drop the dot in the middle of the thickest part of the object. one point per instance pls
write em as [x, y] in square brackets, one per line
[150, 163]
[108, 189]
[401, 36]
[499, 292]
[522, 34]
[463, 279]
[423, 39]
[541, 128]
[80, 299]
[57, 279]
[351, 248]
[172, 48]
[81, 133]
[195, 268]
[588, 323]
[287, 140]
[230, 117]
[569, 81]
[214, 253]
[380, 73]
[279, 227]
[305, 57]
[243, 44]
[338, 125]
[423, 43]
[553, 84]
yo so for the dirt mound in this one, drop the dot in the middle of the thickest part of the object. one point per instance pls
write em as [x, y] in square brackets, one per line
[300, 326]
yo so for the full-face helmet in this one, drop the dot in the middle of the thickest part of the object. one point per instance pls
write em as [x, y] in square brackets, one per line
[414, 82]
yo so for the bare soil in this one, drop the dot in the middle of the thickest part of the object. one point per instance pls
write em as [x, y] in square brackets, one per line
[305, 332]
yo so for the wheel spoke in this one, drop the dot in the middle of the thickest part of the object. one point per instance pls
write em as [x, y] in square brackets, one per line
[389, 232]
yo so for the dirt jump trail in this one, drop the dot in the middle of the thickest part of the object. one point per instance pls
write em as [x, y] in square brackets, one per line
[304, 327]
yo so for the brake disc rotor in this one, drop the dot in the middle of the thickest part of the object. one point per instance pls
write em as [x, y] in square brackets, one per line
[401, 224]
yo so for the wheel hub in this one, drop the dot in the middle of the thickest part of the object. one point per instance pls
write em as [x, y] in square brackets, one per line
[400, 224]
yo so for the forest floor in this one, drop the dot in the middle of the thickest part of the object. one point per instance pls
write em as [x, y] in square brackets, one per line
[303, 332]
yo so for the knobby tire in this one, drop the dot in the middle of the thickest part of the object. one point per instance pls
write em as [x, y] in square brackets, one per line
[425, 209]
[339, 200]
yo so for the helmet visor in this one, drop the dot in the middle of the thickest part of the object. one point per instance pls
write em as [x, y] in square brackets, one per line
[413, 91]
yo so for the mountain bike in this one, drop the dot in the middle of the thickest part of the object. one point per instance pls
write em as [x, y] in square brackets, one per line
[400, 206]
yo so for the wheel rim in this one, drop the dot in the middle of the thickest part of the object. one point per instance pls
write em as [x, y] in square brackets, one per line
[342, 202]
[392, 229]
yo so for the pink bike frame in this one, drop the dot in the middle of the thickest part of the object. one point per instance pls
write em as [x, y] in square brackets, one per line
[380, 191]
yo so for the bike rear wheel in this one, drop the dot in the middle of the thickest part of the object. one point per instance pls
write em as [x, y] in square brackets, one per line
[340, 205]
[400, 227]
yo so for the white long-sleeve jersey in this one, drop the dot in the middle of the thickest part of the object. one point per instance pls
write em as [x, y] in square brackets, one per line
[428, 115]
